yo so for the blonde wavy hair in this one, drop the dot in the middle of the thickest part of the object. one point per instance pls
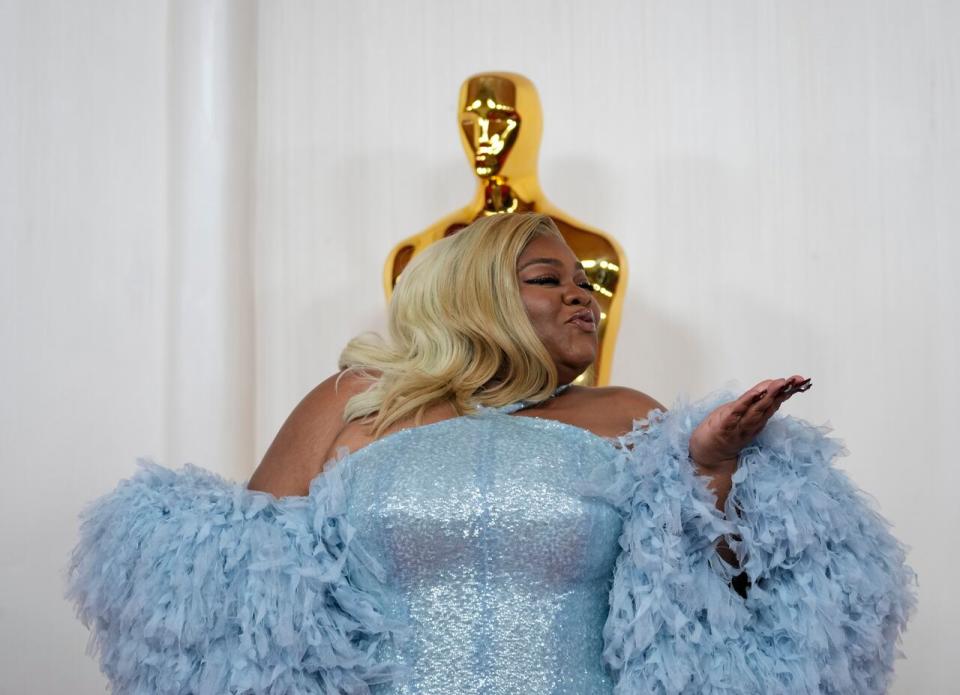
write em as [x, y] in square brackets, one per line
[458, 330]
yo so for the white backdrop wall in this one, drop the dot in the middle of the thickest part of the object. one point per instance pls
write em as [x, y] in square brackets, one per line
[196, 200]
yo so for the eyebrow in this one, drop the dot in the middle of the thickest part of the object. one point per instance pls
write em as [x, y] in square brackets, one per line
[548, 261]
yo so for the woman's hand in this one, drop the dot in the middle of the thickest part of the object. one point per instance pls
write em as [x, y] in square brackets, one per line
[716, 443]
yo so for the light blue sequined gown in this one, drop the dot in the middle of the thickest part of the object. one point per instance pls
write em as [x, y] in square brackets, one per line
[501, 570]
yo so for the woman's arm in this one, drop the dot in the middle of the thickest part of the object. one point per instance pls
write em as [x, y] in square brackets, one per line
[637, 406]
[191, 583]
[831, 591]
[716, 444]
[300, 449]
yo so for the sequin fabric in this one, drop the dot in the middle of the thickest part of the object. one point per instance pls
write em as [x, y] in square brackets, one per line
[499, 568]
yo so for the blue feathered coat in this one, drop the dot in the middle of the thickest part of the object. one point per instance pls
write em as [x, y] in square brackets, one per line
[192, 584]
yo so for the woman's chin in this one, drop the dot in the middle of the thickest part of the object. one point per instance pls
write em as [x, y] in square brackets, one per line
[574, 367]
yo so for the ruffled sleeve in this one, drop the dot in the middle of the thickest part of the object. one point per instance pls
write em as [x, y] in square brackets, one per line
[830, 591]
[192, 584]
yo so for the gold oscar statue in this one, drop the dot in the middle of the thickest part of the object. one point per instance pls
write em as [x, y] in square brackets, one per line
[500, 128]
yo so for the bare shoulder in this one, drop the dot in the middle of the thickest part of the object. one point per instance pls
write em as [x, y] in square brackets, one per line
[635, 403]
[297, 453]
[611, 410]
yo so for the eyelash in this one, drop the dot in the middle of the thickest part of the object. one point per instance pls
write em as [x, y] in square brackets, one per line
[545, 279]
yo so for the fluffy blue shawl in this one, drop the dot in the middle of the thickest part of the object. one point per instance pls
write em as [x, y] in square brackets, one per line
[830, 591]
[192, 584]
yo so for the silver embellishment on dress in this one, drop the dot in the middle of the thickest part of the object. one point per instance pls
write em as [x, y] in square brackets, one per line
[499, 566]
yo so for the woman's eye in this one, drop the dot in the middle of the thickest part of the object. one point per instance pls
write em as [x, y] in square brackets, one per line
[586, 284]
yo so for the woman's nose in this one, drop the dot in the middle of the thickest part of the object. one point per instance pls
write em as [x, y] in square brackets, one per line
[578, 295]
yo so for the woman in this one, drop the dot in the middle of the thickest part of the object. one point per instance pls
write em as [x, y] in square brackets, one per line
[447, 514]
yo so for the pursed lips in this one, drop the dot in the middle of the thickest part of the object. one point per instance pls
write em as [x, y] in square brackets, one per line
[584, 319]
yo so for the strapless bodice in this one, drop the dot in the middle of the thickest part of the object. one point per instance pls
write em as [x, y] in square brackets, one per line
[499, 568]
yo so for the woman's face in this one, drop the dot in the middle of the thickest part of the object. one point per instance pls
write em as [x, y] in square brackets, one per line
[559, 301]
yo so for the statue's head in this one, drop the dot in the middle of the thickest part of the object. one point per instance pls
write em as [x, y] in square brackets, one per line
[500, 123]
